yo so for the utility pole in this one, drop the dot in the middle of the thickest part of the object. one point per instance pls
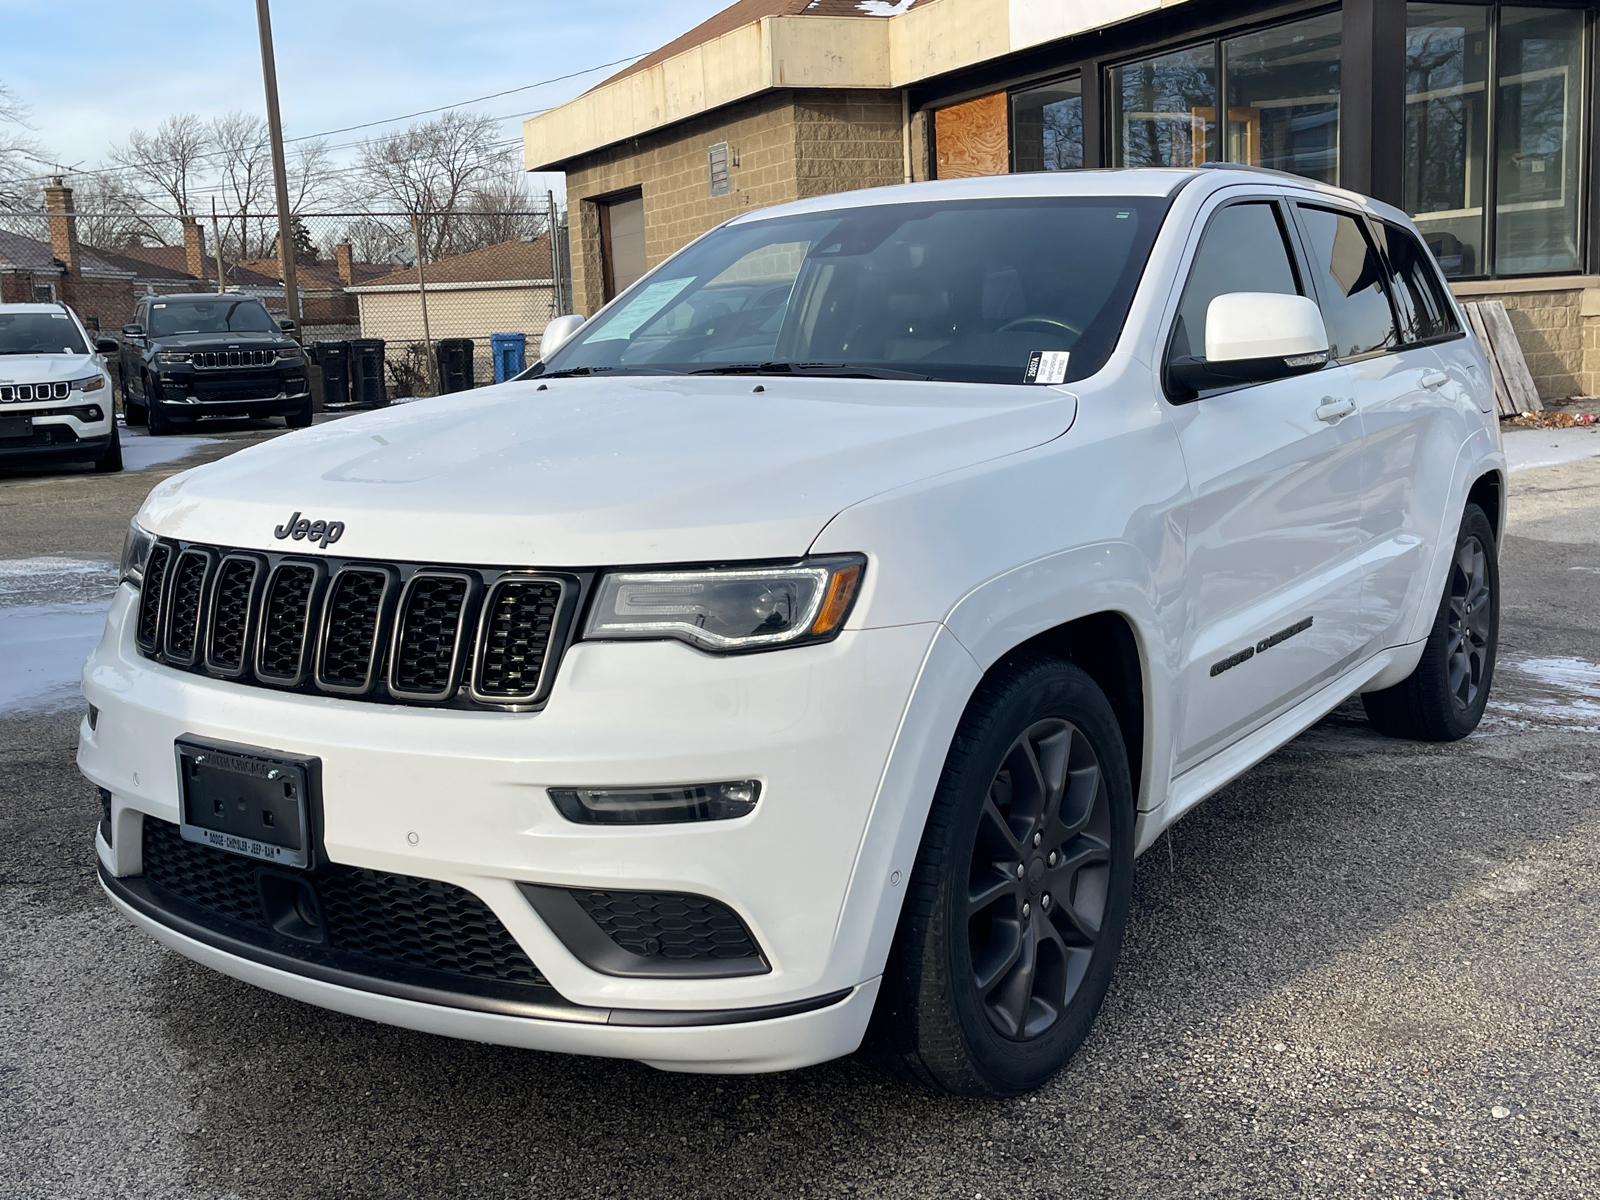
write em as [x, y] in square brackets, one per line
[422, 294]
[280, 174]
[216, 236]
[555, 255]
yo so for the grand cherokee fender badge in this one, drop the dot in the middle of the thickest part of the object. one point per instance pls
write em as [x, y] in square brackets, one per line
[324, 533]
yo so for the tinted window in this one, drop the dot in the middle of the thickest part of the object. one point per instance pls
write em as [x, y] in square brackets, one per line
[958, 290]
[1243, 250]
[39, 333]
[225, 314]
[1350, 288]
[1418, 293]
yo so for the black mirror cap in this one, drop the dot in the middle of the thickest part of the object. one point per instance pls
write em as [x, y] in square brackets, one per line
[286, 325]
[1190, 376]
[133, 331]
[106, 345]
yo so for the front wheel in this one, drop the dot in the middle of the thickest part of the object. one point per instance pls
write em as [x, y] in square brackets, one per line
[111, 460]
[1444, 698]
[156, 418]
[1013, 920]
[301, 419]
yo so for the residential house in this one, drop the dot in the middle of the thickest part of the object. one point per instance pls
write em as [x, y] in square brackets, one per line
[99, 291]
[327, 307]
[1476, 117]
[504, 288]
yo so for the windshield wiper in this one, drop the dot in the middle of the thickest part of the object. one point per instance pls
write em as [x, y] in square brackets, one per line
[837, 370]
[571, 371]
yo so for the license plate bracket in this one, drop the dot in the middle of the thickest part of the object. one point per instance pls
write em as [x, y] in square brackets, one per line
[14, 427]
[246, 800]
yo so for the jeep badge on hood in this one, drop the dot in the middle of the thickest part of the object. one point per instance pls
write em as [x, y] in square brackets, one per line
[324, 533]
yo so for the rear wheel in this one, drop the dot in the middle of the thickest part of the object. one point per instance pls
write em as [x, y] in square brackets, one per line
[1444, 698]
[111, 460]
[1013, 921]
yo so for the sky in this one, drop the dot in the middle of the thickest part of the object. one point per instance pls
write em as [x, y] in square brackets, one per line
[95, 70]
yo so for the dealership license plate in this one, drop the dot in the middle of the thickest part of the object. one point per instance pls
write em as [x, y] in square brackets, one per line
[11, 427]
[246, 801]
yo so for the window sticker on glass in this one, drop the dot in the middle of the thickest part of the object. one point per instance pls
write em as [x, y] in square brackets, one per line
[1047, 366]
[640, 309]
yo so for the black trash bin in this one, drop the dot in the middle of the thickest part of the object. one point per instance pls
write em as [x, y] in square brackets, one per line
[366, 372]
[334, 359]
[455, 364]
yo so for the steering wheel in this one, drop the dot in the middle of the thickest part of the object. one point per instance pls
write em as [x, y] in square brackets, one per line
[1039, 325]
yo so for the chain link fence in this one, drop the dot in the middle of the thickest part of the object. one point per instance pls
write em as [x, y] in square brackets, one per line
[441, 301]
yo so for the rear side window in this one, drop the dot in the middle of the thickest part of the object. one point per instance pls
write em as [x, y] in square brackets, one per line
[1243, 250]
[1350, 283]
[1418, 294]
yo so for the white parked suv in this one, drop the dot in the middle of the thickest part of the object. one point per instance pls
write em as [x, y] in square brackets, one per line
[55, 393]
[803, 652]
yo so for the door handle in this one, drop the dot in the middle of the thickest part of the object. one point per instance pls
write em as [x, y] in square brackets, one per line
[1434, 380]
[1334, 409]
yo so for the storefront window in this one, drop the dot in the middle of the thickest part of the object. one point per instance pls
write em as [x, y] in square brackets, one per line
[1163, 110]
[1529, 126]
[1539, 93]
[1447, 62]
[1283, 98]
[1047, 127]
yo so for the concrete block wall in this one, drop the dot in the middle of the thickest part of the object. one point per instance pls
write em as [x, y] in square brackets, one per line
[784, 145]
[1557, 321]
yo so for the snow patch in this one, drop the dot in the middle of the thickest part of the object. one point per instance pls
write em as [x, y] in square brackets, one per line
[140, 451]
[884, 8]
[43, 647]
[1529, 448]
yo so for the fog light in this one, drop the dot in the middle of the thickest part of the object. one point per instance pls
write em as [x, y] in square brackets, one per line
[657, 805]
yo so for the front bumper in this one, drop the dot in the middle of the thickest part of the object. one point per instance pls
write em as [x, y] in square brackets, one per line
[58, 435]
[460, 797]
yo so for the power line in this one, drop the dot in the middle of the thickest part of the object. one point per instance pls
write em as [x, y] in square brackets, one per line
[346, 129]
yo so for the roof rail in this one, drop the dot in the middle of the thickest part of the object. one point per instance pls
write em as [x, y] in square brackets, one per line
[1254, 170]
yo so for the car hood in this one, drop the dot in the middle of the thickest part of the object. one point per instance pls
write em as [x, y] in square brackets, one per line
[211, 341]
[588, 472]
[46, 368]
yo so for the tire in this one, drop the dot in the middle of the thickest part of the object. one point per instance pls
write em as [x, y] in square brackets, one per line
[111, 460]
[299, 420]
[134, 414]
[961, 1009]
[160, 424]
[1444, 698]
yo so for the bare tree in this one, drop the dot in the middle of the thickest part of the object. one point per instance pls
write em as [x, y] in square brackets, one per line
[430, 171]
[112, 214]
[17, 149]
[242, 159]
[498, 210]
[169, 160]
[310, 175]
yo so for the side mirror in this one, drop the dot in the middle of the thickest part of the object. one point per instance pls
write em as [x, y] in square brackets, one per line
[106, 345]
[286, 325]
[557, 334]
[1254, 337]
[133, 331]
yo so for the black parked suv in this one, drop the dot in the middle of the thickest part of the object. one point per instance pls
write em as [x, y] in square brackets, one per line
[211, 354]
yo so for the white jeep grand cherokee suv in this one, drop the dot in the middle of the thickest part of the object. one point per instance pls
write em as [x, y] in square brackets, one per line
[803, 652]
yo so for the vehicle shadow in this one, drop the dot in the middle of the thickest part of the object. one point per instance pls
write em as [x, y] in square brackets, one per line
[1339, 837]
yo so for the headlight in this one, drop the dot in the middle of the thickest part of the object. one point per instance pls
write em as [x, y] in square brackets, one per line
[742, 608]
[173, 358]
[91, 383]
[290, 354]
[135, 553]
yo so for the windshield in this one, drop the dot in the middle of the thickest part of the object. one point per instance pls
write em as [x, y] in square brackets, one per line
[222, 315]
[994, 291]
[40, 333]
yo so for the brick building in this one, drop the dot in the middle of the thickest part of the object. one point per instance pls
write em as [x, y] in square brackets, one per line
[1476, 117]
[100, 292]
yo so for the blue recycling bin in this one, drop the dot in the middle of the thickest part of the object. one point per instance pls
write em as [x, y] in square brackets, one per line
[510, 352]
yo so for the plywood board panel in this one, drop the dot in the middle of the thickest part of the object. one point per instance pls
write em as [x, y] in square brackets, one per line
[972, 139]
[1508, 353]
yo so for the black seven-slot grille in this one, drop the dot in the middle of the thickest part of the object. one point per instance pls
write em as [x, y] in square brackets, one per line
[369, 919]
[402, 633]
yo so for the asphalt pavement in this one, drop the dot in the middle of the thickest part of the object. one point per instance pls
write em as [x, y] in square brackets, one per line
[1368, 968]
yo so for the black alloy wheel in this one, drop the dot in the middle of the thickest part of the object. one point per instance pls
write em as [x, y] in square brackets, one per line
[1012, 922]
[1469, 622]
[1039, 880]
[1444, 698]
